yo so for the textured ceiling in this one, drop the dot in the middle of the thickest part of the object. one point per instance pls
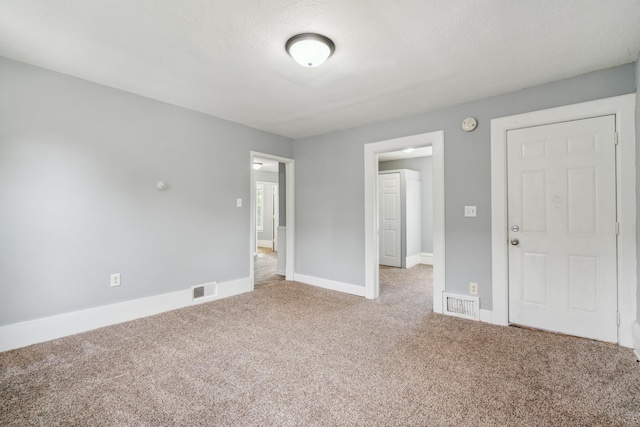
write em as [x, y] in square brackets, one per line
[392, 59]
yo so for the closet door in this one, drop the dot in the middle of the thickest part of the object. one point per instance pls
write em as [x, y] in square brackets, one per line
[390, 236]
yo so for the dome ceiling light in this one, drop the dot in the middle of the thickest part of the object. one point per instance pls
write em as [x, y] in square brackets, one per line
[310, 50]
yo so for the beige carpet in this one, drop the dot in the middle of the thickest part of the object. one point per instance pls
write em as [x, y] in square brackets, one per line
[291, 354]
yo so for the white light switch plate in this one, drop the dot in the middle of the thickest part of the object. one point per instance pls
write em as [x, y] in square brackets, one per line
[470, 211]
[239, 203]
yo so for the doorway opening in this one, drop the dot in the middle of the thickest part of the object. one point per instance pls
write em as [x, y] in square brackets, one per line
[272, 219]
[372, 152]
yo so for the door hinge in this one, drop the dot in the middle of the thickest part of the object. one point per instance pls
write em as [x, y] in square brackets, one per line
[615, 138]
[617, 229]
[618, 318]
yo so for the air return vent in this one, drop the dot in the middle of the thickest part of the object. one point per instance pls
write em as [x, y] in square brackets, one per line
[206, 292]
[461, 306]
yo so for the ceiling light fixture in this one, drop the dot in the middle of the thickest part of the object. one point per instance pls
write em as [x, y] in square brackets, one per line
[408, 149]
[257, 165]
[309, 49]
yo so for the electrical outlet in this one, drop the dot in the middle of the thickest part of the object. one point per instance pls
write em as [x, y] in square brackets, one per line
[473, 288]
[115, 279]
[470, 211]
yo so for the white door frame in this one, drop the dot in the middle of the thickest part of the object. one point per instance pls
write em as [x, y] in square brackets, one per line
[623, 107]
[289, 214]
[371, 214]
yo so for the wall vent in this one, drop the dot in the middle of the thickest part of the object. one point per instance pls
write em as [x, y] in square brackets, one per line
[461, 306]
[206, 292]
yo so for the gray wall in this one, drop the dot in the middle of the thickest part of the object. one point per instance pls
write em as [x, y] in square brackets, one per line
[330, 181]
[79, 163]
[637, 81]
[424, 165]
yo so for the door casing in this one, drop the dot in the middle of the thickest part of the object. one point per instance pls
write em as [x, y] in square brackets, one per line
[623, 107]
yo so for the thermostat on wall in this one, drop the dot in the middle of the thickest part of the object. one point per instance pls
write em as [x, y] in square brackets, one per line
[469, 124]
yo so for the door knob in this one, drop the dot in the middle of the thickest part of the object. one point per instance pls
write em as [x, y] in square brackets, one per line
[515, 242]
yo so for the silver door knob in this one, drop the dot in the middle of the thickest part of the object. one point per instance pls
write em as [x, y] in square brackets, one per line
[515, 242]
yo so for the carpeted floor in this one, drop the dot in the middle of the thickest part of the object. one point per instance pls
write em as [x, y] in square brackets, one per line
[291, 354]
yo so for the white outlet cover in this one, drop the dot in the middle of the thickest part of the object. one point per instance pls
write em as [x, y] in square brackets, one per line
[115, 280]
[470, 211]
[473, 288]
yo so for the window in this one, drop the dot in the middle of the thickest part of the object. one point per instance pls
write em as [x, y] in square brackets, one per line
[260, 207]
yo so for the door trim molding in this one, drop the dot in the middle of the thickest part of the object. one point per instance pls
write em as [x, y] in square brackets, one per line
[623, 107]
[371, 151]
[289, 213]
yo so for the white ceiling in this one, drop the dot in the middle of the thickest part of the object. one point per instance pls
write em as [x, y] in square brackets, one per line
[401, 155]
[393, 58]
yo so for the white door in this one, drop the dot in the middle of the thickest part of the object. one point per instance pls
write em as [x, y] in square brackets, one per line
[562, 228]
[390, 222]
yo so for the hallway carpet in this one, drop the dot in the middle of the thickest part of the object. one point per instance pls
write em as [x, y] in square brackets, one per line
[265, 267]
[295, 355]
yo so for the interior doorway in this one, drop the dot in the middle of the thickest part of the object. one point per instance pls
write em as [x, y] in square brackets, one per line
[405, 186]
[372, 151]
[272, 219]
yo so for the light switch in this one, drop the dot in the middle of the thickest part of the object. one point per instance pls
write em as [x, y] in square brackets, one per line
[238, 203]
[470, 211]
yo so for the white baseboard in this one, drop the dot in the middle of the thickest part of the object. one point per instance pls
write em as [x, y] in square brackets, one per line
[62, 325]
[426, 258]
[485, 315]
[265, 244]
[330, 284]
[412, 260]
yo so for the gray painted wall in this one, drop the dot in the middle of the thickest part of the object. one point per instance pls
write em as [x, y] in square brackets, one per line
[79, 163]
[424, 165]
[330, 181]
[637, 81]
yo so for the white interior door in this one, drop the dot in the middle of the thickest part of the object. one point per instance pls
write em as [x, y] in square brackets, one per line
[562, 227]
[390, 221]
